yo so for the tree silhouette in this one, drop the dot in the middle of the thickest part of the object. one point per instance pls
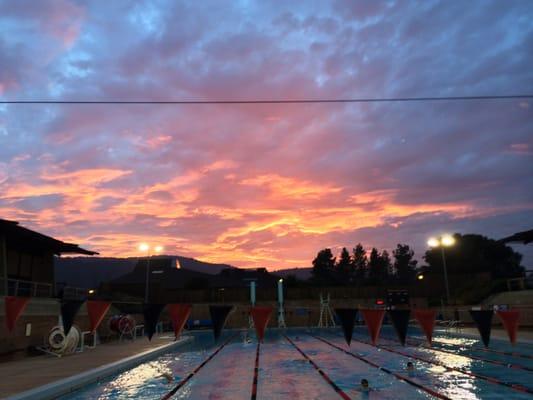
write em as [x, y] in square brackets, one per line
[404, 263]
[473, 253]
[344, 267]
[378, 266]
[324, 267]
[359, 261]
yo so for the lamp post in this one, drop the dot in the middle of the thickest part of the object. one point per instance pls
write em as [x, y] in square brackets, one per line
[145, 248]
[442, 242]
[281, 313]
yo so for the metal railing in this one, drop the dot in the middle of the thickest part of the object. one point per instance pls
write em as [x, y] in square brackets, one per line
[23, 288]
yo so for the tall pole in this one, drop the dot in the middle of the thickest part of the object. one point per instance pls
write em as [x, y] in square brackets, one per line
[147, 280]
[252, 293]
[281, 313]
[445, 275]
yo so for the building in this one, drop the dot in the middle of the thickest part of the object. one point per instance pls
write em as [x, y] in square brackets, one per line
[27, 260]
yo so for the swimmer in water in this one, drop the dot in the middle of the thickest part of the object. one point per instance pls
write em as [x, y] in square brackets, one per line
[365, 386]
[168, 376]
[410, 368]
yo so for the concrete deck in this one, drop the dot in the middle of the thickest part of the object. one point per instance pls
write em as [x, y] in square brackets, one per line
[29, 373]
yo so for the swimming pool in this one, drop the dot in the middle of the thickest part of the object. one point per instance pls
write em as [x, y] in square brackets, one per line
[317, 364]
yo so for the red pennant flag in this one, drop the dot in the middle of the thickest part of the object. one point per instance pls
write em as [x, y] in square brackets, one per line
[261, 316]
[14, 308]
[179, 314]
[510, 323]
[426, 319]
[97, 309]
[373, 319]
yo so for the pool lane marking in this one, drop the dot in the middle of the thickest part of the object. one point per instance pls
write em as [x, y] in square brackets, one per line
[340, 392]
[472, 357]
[195, 371]
[495, 362]
[503, 353]
[256, 372]
[513, 386]
[388, 371]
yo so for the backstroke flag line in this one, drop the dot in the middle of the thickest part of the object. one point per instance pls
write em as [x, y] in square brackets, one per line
[219, 314]
[373, 319]
[510, 323]
[69, 309]
[483, 320]
[347, 318]
[14, 307]
[426, 319]
[261, 316]
[179, 314]
[400, 321]
[151, 318]
[97, 309]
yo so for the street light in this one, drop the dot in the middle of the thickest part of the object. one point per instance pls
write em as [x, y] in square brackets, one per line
[145, 248]
[442, 242]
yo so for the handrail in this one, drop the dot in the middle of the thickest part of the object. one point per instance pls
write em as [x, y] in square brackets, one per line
[25, 288]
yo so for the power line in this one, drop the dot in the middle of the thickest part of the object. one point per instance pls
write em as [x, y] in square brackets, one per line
[274, 101]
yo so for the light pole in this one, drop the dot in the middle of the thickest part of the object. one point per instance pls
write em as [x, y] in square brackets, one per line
[145, 248]
[442, 242]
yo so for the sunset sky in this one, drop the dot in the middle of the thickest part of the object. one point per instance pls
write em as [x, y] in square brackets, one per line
[265, 185]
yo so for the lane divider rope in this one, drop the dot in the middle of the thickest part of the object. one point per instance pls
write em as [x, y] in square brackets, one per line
[388, 371]
[503, 353]
[256, 372]
[472, 357]
[341, 392]
[513, 386]
[195, 371]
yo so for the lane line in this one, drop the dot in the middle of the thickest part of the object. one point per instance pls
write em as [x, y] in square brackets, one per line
[503, 353]
[388, 371]
[472, 357]
[195, 371]
[513, 386]
[256, 372]
[337, 389]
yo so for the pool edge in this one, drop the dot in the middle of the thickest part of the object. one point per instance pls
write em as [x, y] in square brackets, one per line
[67, 385]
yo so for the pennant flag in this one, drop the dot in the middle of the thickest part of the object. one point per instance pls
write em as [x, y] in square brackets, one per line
[219, 314]
[260, 316]
[373, 319]
[400, 321]
[97, 309]
[510, 323]
[483, 320]
[151, 318]
[69, 309]
[426, 319]
[14, 307]
[347, 319]
[179, 314]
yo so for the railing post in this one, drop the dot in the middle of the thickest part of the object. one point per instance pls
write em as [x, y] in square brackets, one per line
[16, 288]
[3, 266]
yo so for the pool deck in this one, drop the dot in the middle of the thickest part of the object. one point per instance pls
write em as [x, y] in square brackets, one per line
[29, 373]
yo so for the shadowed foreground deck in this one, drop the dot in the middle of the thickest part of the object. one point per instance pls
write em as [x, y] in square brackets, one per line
[22, 375]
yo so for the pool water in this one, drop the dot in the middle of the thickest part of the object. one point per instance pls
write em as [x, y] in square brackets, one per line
[288, 362]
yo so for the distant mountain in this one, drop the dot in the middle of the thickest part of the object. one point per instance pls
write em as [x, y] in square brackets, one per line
[89, 272]
[300, 273]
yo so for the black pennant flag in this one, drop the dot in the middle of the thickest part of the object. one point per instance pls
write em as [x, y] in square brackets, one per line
[483, 320]
[69, 309]
[151, 318]
[219, 314]
[347, 318]
[400, 321]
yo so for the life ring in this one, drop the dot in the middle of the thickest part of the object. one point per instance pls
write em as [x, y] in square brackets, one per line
[61, 344]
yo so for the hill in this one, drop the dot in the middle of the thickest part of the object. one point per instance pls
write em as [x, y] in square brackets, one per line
[89, 272]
